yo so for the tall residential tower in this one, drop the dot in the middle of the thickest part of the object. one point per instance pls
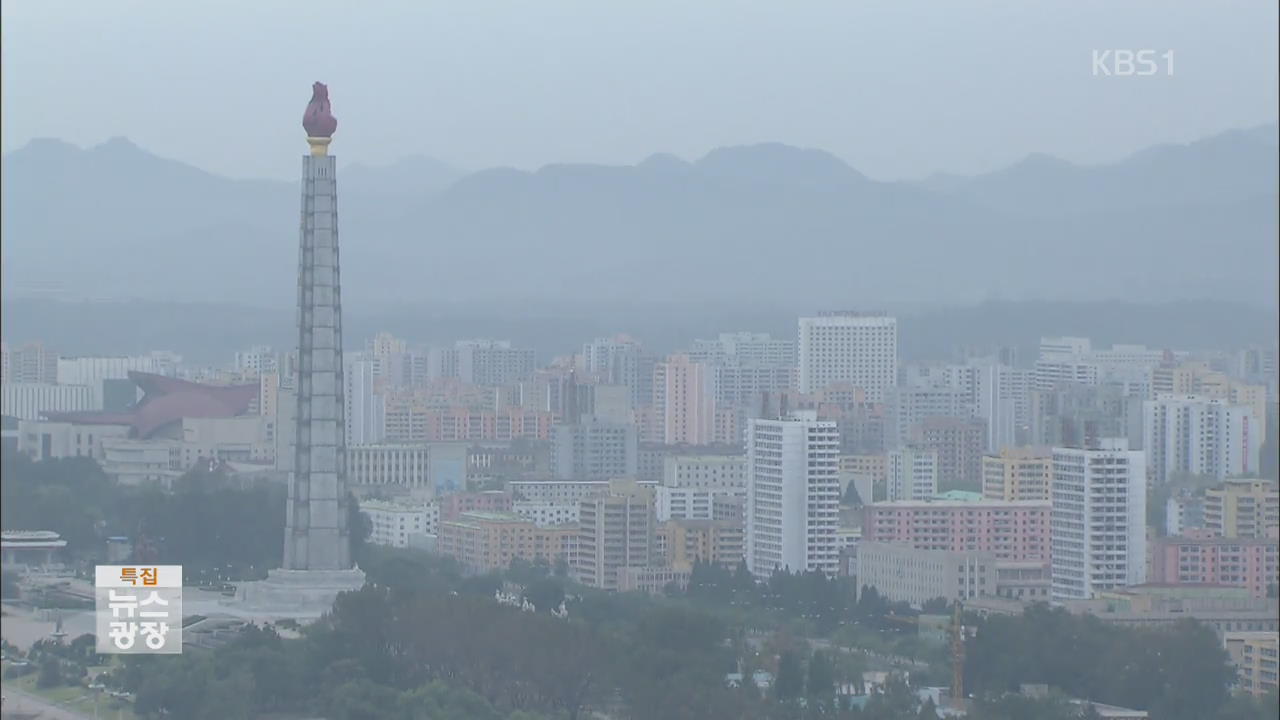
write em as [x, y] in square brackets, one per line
[793, 495]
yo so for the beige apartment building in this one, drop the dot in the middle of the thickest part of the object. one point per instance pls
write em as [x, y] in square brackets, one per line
[1243, 508]
[1017, 474]
[486, 541]
[616, 530]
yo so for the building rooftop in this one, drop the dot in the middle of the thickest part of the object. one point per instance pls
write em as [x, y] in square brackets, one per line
[978, 503]
[486, 516]
[959, 496]
[167, 400]
[394, 505]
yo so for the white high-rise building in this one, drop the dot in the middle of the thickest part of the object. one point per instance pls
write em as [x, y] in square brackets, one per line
[861, 350]
[493, 362]
[593, 449]
[619, 361]
[1201, 436]
[1098, 522]
[911, 473]
[259, 359]
[793, 494]
[366, 408]
[745, 349]
[1001, 396]
[1075, 360]
[908, 406]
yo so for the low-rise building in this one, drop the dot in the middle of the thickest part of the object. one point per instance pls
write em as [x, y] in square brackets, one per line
[1017, 474]
[487, 541]
[1015, 531]
[1242, 562]
[490, 501]
[546, 514]
[682, 543]
[1243, 508]
[652, 580]
[31, 548]
[1222, 608]
[47, 440]
[1183, 512]
[901, 573]
[557, 491]
[29, 401]
[1256, 658]
[395, 524]
[399, 466]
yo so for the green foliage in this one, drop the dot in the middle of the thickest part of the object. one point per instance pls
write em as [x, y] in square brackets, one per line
[788, 684]
[808, 596]
[851, 497]
[821, 679]
[216, 531]
[50, 673]
[359, 526]
[895, 701]
[437, 649]
[1178, 673]
[936, 606]
[9, 585]
[70, 496]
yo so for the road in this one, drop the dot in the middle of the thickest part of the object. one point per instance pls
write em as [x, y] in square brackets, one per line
[824, 644]
[20, 703]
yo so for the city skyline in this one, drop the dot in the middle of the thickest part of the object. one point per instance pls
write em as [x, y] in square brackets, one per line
[886, 360]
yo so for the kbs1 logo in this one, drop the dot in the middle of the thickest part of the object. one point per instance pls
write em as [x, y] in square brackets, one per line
[1132, 63]
[139, 609]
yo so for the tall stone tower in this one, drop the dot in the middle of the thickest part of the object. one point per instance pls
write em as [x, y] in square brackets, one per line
[316, 518]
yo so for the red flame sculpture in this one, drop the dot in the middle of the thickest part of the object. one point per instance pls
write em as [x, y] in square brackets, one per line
[318, 121]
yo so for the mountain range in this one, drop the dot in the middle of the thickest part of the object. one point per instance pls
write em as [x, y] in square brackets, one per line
[766, 222]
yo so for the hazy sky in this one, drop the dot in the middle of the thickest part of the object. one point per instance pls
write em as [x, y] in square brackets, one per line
[898, 88]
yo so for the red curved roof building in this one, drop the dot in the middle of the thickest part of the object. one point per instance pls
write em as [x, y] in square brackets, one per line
[166, 401]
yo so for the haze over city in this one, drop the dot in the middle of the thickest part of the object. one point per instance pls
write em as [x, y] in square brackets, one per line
[604, 361]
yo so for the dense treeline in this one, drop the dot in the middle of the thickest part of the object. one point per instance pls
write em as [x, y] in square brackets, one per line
[823, 603]
[214, 529]
[1178, 673]
[382, 650]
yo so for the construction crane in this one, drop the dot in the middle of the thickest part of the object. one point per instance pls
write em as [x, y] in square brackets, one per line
[957, 655]
[957, 634]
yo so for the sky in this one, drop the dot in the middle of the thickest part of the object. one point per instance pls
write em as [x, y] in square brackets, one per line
[900, 89]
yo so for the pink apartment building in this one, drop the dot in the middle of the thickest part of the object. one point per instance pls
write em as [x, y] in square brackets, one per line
[1240, 562]
[1014, 531]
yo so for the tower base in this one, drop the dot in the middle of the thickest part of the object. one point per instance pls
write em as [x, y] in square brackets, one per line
[298, 594]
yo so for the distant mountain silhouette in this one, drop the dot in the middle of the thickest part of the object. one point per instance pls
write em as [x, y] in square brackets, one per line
[762, 222]
[1222, 169]
[413, 175]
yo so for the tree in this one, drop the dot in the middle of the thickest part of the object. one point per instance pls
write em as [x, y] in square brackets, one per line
[821, 679]
[936, 606]
[895, 701]
[851, 497]
[1178, 673]
[9, 584]
[788, 684]
[545, 594]
[359, 527]
[50, 673]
